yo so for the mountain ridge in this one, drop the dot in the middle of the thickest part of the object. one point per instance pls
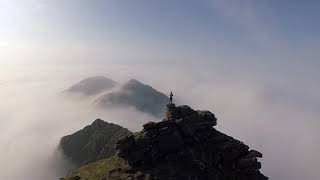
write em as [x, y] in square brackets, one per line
[92, 86]
[135, 94]
[92, 143]
[184, 145]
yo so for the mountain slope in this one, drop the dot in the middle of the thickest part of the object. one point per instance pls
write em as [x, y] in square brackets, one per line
[96, 170]
[183, 146]
[92, 143]
[92, 86]
[136, 94]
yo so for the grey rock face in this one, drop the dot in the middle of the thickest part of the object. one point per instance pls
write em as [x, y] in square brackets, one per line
[92, 143]
[186, 146]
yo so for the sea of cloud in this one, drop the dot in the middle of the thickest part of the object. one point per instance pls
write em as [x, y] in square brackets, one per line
[270, 116]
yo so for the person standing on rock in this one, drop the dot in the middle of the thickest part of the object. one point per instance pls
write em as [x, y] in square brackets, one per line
[171, 98]
[170, 107]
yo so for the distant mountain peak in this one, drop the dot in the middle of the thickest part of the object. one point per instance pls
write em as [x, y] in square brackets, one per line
[133, 83]
[95, 77]
[98, 121]
[136, 94]
[92, 85]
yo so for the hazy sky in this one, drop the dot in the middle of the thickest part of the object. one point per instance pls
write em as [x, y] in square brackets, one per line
[200, 30]
[255, 64]
[262, 41]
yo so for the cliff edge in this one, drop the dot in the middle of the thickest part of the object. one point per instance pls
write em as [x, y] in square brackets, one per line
[185, 145]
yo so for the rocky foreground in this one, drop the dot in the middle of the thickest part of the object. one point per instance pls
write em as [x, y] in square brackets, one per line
[185, 146]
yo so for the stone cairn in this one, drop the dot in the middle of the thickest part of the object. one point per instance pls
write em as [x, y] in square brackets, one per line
[184, 145]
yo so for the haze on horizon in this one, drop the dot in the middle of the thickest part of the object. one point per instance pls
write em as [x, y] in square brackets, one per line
[254, 64]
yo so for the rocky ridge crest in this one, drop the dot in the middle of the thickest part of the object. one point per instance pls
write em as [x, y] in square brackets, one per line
[185, 145]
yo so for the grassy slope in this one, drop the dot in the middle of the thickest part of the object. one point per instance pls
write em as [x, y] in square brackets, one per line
[96, 170]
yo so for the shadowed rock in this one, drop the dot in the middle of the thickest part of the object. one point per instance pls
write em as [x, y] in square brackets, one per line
[92, 143]
[185, 146]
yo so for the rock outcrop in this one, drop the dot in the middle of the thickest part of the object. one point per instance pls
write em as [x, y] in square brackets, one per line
[92, 143]
[138, 95]
[185, 146]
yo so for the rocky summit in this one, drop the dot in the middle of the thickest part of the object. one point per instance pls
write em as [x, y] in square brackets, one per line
[185, 146]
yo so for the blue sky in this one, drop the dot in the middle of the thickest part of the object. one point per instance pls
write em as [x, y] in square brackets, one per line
[204, 27]
[261, 40]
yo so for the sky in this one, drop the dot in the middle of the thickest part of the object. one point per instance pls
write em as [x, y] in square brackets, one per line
[270, 38]
[255, 64]
[207, 28]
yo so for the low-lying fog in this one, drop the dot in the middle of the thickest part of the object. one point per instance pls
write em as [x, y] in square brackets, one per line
[277, 116]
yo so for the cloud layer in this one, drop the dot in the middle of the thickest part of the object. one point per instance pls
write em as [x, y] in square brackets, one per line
[279, 121]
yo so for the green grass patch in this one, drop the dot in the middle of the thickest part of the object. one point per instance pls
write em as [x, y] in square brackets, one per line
[96, 170]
